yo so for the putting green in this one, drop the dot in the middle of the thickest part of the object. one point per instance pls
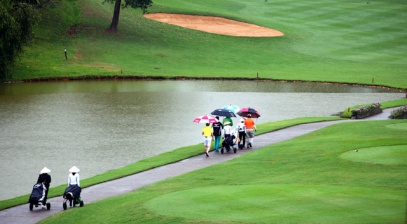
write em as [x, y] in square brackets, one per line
[390, 155]
[284, 203]
[402, 126]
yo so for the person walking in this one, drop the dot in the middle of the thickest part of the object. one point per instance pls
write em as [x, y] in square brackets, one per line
[207, 132]
[250, 129]
[45, 179]
[227, 119]
[74, 185]
[217, 133]
[73, 177]
[227, 129]
[241, 129]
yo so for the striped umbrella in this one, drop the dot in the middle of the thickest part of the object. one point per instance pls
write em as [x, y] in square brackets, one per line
[206, 119]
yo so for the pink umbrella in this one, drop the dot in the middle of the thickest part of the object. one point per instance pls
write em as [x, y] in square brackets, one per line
[206, 119]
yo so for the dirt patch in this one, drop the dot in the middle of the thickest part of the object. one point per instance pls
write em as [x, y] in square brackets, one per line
[216, 25]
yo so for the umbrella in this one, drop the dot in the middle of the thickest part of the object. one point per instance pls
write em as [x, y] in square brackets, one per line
[223, 113]
[232, 108]
[206, 119]
[244, 112]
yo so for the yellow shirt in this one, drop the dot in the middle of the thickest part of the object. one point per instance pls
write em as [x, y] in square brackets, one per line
[207, 131]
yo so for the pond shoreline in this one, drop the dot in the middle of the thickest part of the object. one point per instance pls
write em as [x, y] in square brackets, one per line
[158, 78]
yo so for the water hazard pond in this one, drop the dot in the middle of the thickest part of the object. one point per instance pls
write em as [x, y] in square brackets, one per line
[104, 125]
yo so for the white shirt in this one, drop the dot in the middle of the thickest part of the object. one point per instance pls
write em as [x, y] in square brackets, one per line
[227, 129]
[241, 127]
[73, 179]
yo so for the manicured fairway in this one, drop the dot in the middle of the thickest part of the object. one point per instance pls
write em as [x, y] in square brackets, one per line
[283, 203]
[382, 155]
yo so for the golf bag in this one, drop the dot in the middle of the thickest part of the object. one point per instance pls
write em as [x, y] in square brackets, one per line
[72, 192]
[73, 195]
[37, 193]
[228, 143]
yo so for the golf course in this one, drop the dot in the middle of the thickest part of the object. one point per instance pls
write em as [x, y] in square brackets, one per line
[350, 172]
[323, 41]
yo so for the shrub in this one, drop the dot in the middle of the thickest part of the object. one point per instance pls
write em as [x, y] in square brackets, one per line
[366, 111]
[399, 113]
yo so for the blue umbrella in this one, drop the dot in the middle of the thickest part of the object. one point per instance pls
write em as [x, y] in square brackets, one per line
[232, 108]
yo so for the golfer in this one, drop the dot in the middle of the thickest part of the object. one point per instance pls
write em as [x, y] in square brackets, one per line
[73, 177]
[45, 178]
[207, 132]
[250, 129]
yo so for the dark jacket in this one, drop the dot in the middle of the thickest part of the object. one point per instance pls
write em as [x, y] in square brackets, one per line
[44, 178]
[217, 128]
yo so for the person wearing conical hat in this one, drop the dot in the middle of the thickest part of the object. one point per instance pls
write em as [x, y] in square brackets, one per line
[74, 185]
[45, 179]
[73, 177]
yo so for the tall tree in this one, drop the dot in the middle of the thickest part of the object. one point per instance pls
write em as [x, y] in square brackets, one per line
[17, 20]
[118, 4]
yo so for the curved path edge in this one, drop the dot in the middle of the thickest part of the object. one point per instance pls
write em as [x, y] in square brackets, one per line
[21, 214]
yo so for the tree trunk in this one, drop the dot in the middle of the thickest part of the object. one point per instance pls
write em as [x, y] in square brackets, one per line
[116, 14]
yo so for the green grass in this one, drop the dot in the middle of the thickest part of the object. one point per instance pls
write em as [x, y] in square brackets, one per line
[325, 40]
[302, 180]
[330, 41]
[159, 160]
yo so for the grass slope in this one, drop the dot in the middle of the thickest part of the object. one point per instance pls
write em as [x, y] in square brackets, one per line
[325, 40]
[303, 180]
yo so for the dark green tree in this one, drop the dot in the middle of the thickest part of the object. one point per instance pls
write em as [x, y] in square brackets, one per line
[118, 4]
[17, 19]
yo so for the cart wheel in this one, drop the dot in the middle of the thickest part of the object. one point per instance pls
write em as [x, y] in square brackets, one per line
[48, 206]
[64, 206]
[81, 204]
[31, 206]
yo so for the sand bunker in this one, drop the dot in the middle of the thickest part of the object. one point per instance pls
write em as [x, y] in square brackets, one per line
[216, 25]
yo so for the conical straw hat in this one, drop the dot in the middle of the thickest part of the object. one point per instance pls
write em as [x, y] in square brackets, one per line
[74, 169]
[45, 170]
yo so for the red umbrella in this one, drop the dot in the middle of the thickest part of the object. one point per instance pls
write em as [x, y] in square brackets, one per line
[206, 119]
[244, 112]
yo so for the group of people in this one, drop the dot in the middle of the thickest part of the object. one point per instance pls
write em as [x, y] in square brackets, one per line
[245, 129]
[45, 179]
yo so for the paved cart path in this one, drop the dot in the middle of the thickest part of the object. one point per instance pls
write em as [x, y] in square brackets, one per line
[21, 214]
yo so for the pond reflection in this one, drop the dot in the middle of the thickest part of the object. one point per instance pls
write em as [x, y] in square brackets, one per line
[104, 125]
